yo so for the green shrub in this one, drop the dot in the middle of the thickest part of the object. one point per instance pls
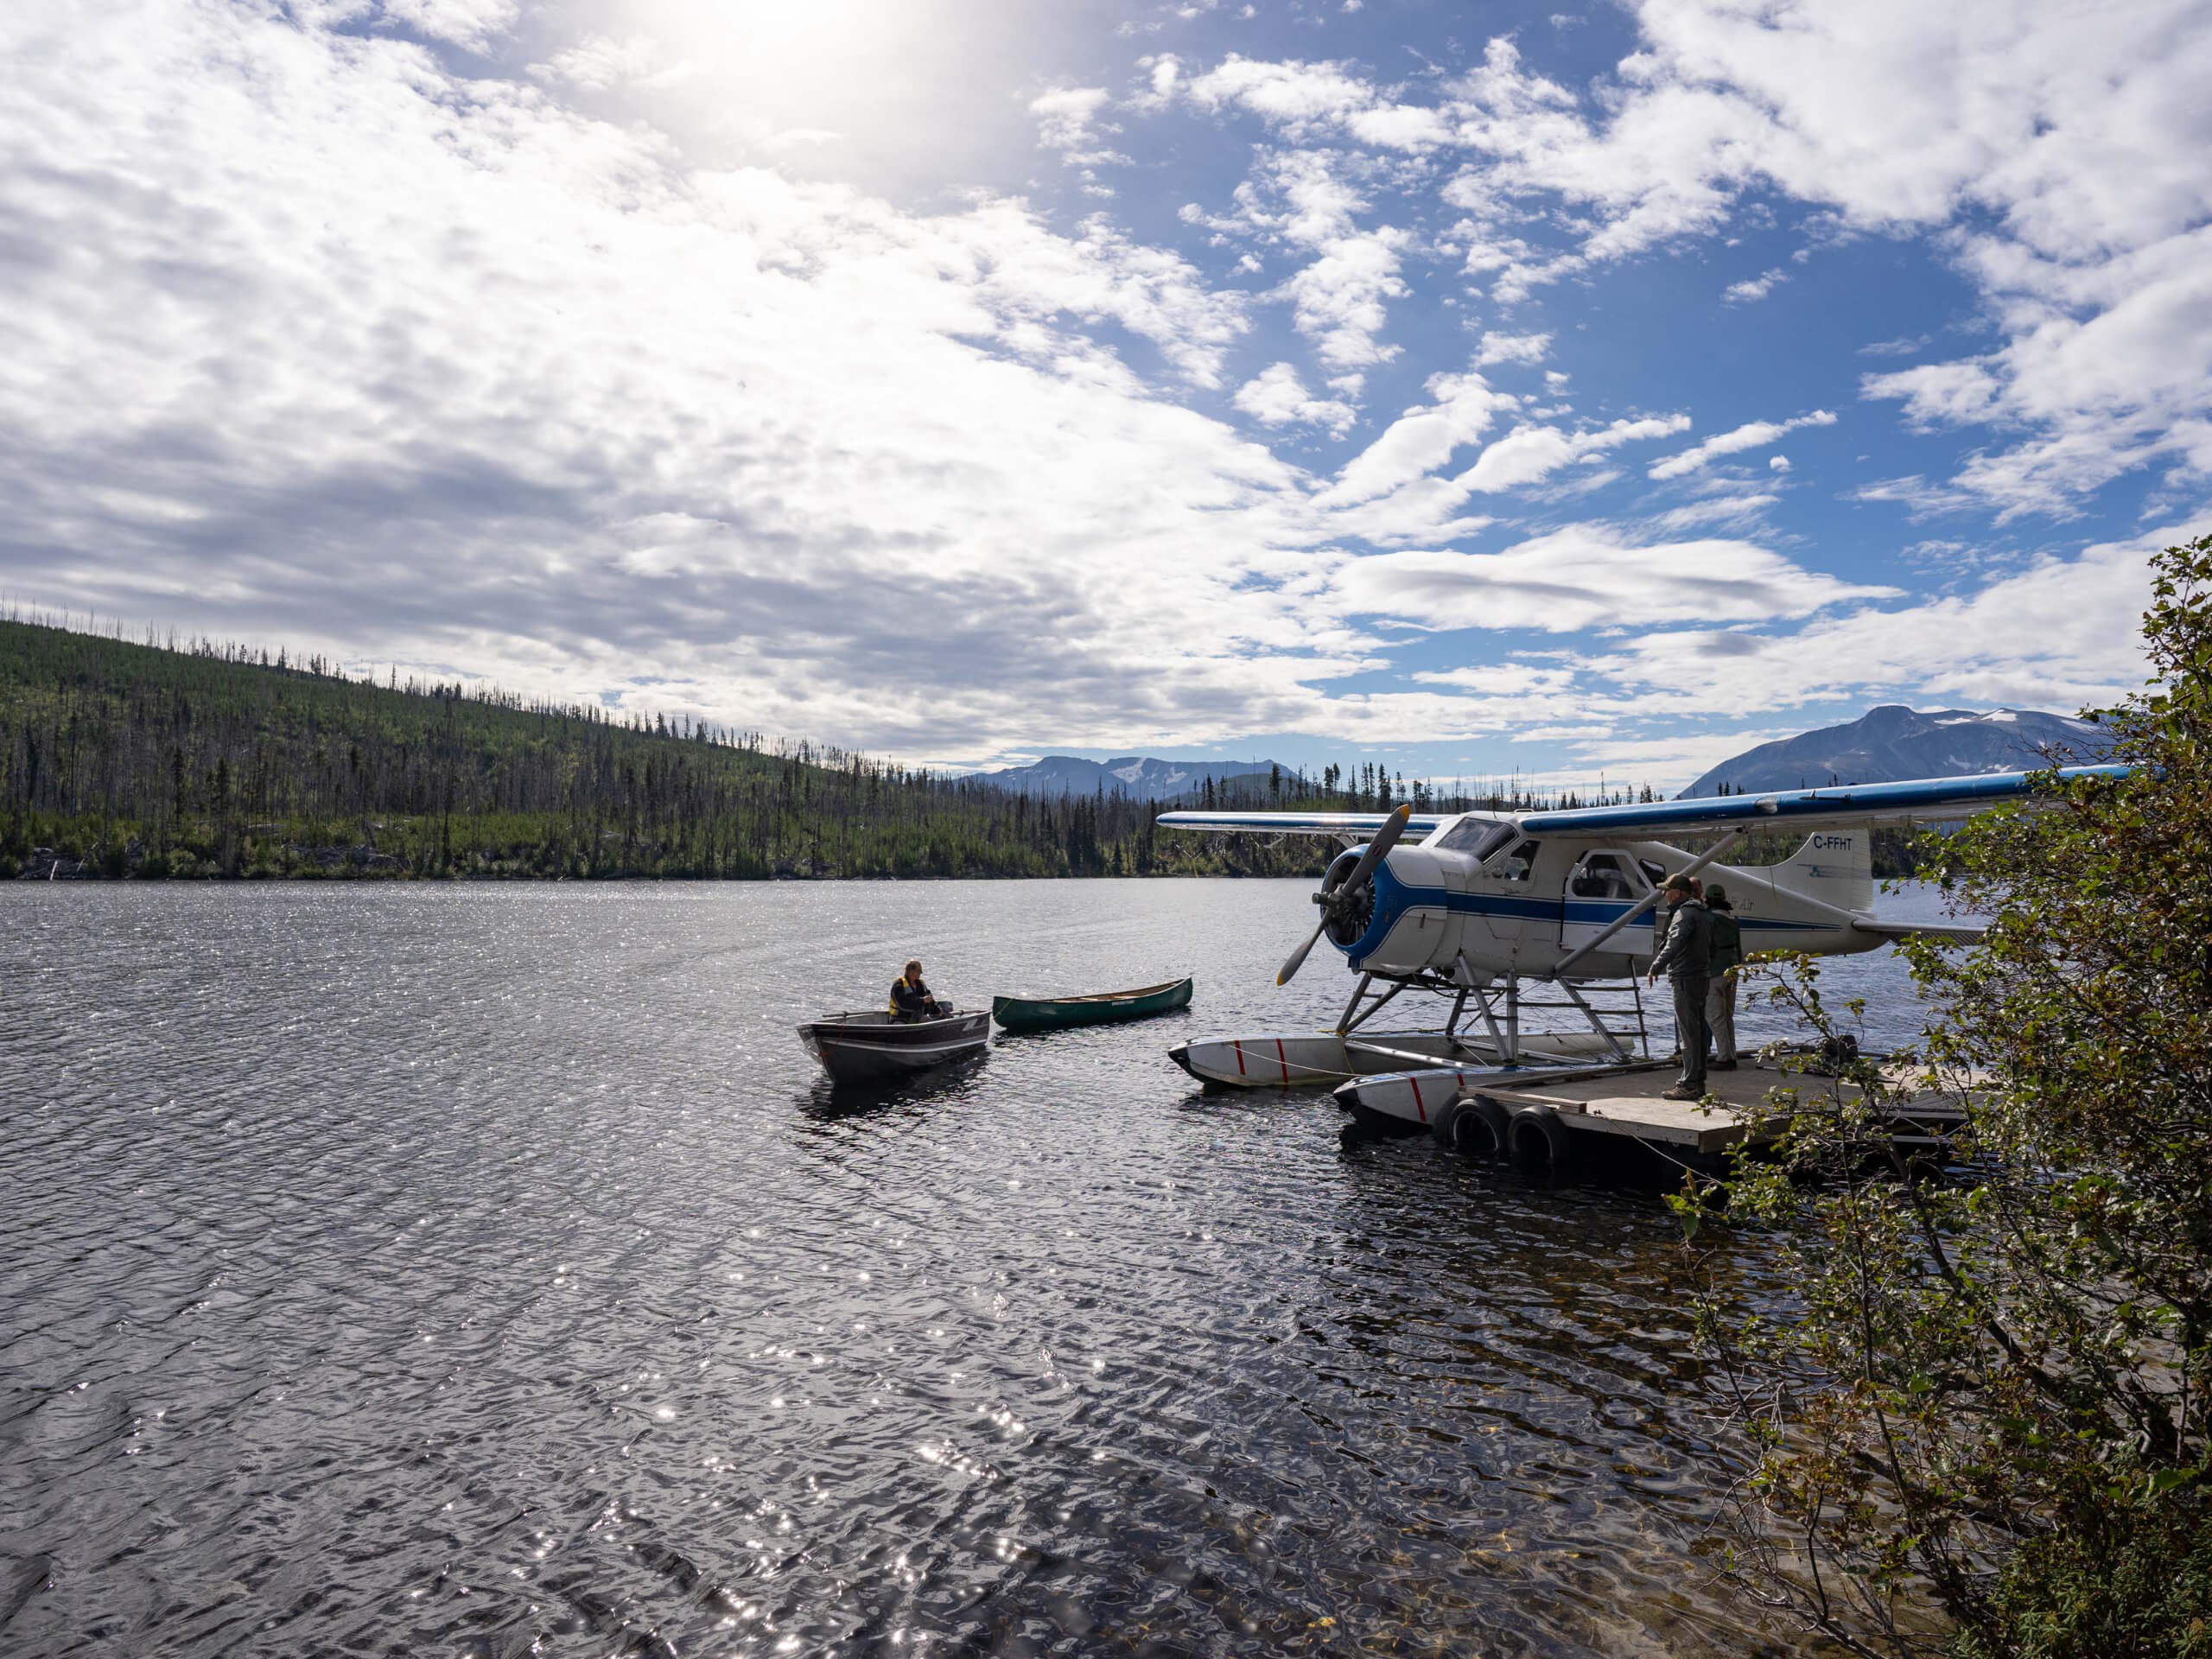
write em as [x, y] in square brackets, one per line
[2120, 1581]
[1985, 1427]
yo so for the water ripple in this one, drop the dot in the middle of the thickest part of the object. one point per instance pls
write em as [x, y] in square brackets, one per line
[486, 1271]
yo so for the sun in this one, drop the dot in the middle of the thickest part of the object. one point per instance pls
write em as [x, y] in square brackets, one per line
[851, 87]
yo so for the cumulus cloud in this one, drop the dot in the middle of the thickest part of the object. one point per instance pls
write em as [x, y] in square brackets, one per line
[1304, 101]
[2078, 153]
[2066, 145]
[2063, 634]
[1532, 452]
[364, 351]
[1514, 679]
[1916, 493]
[1752, 435]
[419, 368]
[1588, 576]
[1939, 394]
[1752, 289]
[1297, 98]
[1276, 397]
[1067, 120]
[1512, 348]
[601, 62]
[1339, 298]
[1400, 490]
[1422, 439]
[1164, 77]
[1728, 510]
[471, 23]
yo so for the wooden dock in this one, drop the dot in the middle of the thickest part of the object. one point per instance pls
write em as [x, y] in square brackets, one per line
[1628, 1103]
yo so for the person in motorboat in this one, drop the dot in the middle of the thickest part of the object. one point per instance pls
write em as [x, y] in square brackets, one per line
[1686, 960]
[911, 999]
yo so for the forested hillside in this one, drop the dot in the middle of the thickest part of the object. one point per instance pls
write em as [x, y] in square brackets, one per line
[125, 759]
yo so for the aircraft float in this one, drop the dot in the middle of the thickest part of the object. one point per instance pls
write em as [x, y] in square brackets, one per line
[1477, 908]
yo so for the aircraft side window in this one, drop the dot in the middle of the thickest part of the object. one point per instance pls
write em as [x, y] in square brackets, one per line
[1656, 873]
[1517, 864]
[1600, 876]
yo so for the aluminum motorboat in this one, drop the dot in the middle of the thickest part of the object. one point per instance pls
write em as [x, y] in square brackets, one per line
[871, 1046]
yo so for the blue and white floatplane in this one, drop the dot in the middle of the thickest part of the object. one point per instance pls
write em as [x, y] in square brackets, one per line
[1504, 916]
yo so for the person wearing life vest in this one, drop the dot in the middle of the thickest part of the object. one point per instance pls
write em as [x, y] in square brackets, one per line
[1720, 994]
[911, 999]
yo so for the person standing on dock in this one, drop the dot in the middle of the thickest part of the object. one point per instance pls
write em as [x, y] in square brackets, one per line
[911, 999]
[1727, 954]
[1686, 960]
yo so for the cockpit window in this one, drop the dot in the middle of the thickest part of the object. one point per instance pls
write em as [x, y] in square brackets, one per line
[1480, 836]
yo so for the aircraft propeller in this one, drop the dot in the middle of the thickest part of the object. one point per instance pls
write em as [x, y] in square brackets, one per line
[1335, 897]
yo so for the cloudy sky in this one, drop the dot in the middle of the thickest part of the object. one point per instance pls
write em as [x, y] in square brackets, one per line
[1484, 387]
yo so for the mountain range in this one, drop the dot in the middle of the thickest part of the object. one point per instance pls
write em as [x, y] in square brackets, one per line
[1139, 776]
[1893, 742]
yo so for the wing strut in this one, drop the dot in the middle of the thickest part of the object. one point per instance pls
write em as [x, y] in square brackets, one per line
[1726, 843]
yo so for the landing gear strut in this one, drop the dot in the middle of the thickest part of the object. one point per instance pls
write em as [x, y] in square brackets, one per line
[1500, 1009]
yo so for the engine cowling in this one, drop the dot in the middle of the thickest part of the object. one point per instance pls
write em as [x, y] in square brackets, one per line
[1350, 914]
[1408, 923]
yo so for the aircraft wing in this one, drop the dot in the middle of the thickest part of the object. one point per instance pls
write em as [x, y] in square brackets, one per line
[1357, 825]
[1922, 800]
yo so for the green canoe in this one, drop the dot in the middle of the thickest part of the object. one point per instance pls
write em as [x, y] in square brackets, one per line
[1058, 1012]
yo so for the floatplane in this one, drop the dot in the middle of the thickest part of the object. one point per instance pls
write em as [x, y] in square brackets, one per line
[1500, 914]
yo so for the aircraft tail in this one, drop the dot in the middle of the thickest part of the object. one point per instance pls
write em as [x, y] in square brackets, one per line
[1836, 866]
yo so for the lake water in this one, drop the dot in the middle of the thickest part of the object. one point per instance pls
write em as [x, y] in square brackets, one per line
[485, 1270]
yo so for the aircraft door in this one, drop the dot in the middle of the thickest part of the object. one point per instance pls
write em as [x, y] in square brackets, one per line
[1507, 907]
[1600, 889]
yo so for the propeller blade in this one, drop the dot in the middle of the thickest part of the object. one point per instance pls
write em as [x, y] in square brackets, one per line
[1377, 850]
[1297, 958]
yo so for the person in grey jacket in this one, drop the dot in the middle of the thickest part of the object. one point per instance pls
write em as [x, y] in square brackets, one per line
[1686, 960]
[1727, 956]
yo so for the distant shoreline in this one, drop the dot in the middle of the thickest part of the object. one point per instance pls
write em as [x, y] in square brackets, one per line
[77, 873]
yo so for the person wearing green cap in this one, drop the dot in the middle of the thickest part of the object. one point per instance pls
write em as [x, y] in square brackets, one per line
[1720, 991]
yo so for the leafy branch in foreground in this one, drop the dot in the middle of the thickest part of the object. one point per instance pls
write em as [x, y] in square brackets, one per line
[1983, 1431]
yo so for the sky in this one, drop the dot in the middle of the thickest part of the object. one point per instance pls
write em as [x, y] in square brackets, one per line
[1485, 389]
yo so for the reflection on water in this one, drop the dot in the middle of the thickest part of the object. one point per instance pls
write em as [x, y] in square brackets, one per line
[489, 1271]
